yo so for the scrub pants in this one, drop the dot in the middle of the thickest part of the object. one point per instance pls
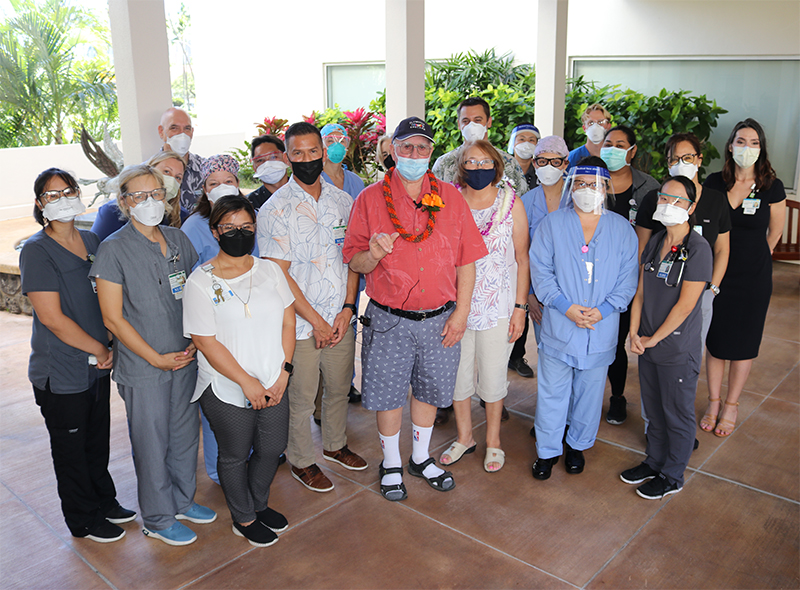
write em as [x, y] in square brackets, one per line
[668, 393]
[564, 389]
[165, 435]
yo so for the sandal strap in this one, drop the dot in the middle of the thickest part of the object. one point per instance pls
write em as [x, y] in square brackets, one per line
[387, 470]
[424, 464]
[727, 403]
[716, 399]
[439, 480]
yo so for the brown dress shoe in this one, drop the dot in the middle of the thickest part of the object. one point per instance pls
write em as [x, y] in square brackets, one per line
[313, 478]
[346, 458]
[442, 416]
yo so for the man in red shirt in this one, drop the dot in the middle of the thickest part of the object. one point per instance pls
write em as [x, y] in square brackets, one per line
[415, 240]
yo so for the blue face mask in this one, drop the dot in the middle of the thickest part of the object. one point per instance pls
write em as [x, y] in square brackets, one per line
[412, 169]
[479, 179]
[615, 158]
[336, 152]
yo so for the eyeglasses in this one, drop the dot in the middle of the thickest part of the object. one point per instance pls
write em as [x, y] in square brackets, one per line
[225, 228]
[473, 164]
[672, 199]
[331, 139]
[579, 184]
[141, 196]
[601, 122]
[268, 157]
[53, 196]
[545, 161]
[685, 158]
[406, 149]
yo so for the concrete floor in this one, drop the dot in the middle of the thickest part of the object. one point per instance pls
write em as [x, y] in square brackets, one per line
[736, 524]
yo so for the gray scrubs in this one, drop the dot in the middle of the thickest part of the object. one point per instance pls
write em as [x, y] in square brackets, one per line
[668, 372]
[164, 427]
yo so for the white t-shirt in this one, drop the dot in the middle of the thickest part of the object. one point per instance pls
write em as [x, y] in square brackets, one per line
[213, 306]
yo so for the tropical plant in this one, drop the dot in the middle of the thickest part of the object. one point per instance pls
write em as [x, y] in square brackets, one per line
[183, 94]
[55, 74]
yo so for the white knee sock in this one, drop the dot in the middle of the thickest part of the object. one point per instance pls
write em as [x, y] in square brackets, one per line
[420, 445]
[391, 458]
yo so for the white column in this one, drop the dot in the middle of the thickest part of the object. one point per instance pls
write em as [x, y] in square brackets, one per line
[141, 65]
[551, 66]
[405, 61]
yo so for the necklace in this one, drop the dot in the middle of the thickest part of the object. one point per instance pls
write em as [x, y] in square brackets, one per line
[430, 203]
[249, 292]
[502, 213]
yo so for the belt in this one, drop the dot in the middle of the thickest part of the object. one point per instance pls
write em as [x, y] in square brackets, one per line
[417, 316]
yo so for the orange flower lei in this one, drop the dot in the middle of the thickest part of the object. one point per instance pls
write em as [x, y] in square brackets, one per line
[430, 202]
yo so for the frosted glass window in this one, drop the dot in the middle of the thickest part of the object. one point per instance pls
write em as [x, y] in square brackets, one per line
[766, 90]
[353, 85]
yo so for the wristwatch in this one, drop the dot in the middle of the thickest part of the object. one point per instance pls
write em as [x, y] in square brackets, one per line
[351, 307]
[289, 368]
[523, 306]
[714, 289]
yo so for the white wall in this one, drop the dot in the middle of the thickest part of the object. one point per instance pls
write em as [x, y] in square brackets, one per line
[16, 198]
[272, 52]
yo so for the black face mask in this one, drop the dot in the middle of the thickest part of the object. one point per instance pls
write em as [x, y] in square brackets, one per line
[388, 162]
[479, 179]
[307, 172]
[237, 242]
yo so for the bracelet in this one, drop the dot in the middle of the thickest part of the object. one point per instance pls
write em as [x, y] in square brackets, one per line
[351, 307]
[523, 306]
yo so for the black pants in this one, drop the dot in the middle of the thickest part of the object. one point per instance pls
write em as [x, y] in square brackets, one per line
[245, 478]
[79, 425]
[618, 370]
[518, 351]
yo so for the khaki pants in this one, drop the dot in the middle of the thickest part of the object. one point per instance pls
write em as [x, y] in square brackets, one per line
[336, 366]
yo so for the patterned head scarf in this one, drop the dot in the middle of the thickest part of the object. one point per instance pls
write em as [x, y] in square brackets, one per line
[552, 144]
[332, 127]
[220, 162]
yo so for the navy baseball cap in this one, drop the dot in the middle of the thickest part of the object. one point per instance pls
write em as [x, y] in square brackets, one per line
[411, 127]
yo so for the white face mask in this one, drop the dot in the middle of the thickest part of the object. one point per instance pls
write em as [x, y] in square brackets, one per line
[524, 150]
[595, 133]
[180, 143]
[681, 169]
[745, 156]
[149, 213]
[271, 171]
[221, 190]
[473, 132]
[669, 214]
[548, 175]
[172, 186]
[588, 200]
[64, 209]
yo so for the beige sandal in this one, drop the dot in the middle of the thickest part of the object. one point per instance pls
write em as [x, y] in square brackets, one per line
[455, 452]
[709, 421]
[494, 456]
[726, 425]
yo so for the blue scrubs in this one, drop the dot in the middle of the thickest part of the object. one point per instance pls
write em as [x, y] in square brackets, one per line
[573, 361]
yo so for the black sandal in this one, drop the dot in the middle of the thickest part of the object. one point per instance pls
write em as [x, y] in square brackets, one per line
[395, 492]
[438, 482]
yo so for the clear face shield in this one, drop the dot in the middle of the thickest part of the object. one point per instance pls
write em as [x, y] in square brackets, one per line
[588, 189]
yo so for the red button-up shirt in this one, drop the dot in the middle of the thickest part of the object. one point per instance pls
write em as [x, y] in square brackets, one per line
[420, 275]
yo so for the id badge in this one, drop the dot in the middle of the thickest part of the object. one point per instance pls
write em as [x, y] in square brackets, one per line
[750, 206]
[220, 293]
[176, 282]
[338, 232]
[663, 270]
[632, 212]
[698, 229]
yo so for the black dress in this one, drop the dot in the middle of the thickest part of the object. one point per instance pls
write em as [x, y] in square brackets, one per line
[740, 309]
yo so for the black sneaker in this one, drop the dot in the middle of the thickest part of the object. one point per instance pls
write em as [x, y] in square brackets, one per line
[354, 396]
[657, 488]
[120, 515]
[522, 367]
[273, 520]
[257, 533]
[106, 532]
[617, 412]
[638, 474]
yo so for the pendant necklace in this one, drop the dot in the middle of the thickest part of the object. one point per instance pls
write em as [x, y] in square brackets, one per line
[249, 293]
